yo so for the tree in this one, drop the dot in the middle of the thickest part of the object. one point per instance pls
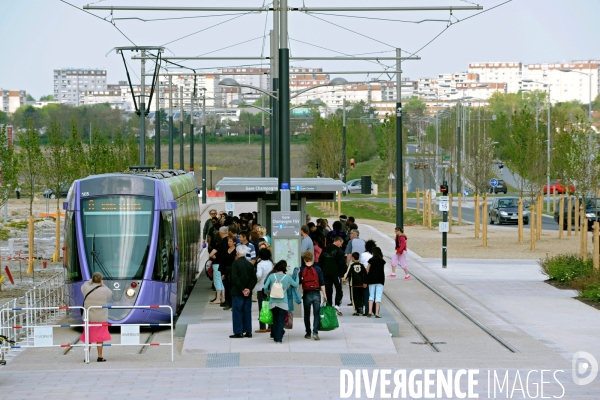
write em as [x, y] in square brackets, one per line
[386, 144]
[54, 172]
[525, 149]
[577, 162]
[8, 168]
[324, 147]
[479, 168]
[30, 160]
[75, 154]
[47, 97]
[30, 97]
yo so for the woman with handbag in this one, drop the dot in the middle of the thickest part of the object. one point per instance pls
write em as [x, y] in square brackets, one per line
[96, 294]
[400, 255]
[277, 285]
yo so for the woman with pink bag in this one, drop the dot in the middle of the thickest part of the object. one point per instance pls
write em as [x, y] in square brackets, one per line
[400, 256]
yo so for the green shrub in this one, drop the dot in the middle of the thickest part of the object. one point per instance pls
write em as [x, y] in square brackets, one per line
[564, 268]
[591, 292]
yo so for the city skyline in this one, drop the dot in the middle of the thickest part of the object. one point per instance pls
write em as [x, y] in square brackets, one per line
[545, 31]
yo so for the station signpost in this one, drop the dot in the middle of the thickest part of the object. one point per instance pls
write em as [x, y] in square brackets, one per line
[444, 206]
[285, 234]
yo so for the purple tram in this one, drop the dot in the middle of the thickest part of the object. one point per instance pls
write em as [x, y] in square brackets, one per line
[141, 230]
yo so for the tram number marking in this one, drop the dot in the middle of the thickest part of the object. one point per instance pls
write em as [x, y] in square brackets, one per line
[83, 194]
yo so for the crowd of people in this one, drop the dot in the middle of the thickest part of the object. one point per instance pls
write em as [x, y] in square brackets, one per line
[331, 257]
[240, 253]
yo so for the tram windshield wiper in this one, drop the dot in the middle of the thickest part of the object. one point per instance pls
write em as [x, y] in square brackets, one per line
[96, 259]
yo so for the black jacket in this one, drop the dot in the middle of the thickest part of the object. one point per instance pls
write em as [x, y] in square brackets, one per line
[332, 261]
[243, 276]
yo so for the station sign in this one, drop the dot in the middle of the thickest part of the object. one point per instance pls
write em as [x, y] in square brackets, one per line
[444, 204]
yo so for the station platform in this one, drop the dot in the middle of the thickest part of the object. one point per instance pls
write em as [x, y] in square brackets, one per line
[546, 326]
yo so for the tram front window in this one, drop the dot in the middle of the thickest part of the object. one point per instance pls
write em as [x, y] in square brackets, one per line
[117, 235]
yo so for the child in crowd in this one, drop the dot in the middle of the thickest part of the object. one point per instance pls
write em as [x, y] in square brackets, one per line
[357, 274]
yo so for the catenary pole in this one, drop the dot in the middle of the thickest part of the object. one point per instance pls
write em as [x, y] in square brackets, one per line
[272, 106]
[262, 138]
[142, 113]
[276, 133]
[399, 146]
[192, 99]
[204, 147]
[284, 110]
[344, 139]
[157, 130]
[171, 166]
[181, 114]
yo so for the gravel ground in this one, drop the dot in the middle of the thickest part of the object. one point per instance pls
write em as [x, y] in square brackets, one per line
[18, 210]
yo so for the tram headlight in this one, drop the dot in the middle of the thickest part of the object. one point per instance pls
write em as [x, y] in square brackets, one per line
[130, 292]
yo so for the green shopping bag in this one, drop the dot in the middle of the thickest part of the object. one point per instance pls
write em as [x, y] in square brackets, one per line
[329, 320]
[266, 315]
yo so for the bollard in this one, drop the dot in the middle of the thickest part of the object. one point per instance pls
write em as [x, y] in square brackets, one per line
[540, 215]
[577, 219]
[1, 280]
[582, 234]
[532, 227]
[44, 264]
[418, 201]
[561, 216]
[569, 206]
[520, 221]
[595, 255]
[404, 189]
[430, 211]
[57, 234]
[477, 217]
[459, 209]
[424, 208]
[450, 213]
[30, 258]
[390, 196]
[484, 221]
[9, 274]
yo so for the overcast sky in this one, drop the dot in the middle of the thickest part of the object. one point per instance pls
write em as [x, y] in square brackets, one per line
[39, 36]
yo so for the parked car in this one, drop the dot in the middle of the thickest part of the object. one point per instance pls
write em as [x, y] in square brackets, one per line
[64, 190]
[500, 188]
[506, 209]
[557, 187]
[592, 211]
[354, 186]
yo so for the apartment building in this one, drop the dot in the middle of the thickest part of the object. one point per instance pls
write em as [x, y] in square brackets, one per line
[509, 73]
[10, 100]
[71, 83]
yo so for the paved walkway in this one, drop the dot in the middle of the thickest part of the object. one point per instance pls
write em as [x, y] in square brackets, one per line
[545, 325]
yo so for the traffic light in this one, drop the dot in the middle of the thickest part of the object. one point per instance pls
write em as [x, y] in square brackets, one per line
[444, 189]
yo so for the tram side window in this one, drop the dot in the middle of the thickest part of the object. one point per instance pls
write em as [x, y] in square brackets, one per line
[164, 265]
[71, 259]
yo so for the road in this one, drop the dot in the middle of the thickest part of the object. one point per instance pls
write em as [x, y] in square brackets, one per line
[468, 212]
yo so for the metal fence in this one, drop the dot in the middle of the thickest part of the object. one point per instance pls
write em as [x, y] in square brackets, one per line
[40, 305]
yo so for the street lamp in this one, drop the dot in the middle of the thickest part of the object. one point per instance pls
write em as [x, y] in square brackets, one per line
[548, 141]
[590, 78]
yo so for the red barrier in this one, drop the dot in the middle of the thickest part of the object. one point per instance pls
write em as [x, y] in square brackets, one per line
[214, 193]
[9, 274]
[44, 264]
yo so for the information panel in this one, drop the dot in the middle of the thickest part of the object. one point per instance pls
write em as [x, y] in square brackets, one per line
[285, 233]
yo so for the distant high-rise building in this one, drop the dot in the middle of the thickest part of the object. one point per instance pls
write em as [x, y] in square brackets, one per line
[70, 84]
[10, 100]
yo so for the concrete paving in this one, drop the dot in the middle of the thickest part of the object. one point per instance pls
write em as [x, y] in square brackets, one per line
[545, 325]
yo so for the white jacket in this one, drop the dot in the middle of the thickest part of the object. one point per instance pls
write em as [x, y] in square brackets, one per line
[262, 270]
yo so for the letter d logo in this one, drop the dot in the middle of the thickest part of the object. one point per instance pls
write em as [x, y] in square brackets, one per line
[582, 361]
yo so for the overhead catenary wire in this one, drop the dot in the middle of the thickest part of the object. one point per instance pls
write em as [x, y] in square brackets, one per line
[207, 28]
